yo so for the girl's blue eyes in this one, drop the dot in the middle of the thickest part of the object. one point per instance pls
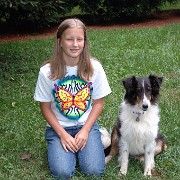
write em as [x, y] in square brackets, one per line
[69, 39]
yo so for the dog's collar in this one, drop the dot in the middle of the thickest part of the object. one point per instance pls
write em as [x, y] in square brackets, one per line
[138, 115]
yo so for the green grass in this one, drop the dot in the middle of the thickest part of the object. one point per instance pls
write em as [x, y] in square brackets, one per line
[123, 53]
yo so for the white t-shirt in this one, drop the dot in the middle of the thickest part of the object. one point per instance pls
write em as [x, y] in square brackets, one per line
[71, 97]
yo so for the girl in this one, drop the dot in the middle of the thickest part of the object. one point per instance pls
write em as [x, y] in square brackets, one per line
[70, 89]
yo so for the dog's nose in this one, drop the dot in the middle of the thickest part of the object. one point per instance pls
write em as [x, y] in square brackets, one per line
[145, 106]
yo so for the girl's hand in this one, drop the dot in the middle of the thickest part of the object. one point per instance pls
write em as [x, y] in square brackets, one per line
[81, 138]
[69, 143]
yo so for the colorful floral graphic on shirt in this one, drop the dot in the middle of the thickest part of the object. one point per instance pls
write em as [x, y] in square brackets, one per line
[73, 96]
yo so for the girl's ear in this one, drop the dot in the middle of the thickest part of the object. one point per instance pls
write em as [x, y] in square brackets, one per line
[59, 41]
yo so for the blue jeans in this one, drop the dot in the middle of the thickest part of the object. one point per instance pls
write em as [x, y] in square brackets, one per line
[91, 159]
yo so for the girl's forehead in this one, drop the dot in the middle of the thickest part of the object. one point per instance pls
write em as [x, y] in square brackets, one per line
[74, 31]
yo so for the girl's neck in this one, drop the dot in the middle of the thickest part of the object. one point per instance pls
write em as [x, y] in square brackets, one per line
[72, 61]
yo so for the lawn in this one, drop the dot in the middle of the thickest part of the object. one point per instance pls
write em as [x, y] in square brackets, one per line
[123, 53]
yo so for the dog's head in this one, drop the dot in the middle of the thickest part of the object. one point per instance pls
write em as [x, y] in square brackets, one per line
[142, 91]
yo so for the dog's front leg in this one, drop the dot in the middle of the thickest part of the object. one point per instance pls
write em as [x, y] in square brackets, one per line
[123, 158]
[149, 158]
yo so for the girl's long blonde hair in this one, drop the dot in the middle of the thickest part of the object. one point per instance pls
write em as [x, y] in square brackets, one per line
[57, 64]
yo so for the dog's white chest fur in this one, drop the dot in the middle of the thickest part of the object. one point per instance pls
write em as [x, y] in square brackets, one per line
[137, 134]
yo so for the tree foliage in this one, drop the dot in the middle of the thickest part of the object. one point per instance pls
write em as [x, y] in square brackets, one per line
[124, 8]
[20, 12]
[38, 13]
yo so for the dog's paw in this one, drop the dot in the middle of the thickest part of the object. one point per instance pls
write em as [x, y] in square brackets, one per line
[107, 159]
[147, 172]
[122, 171]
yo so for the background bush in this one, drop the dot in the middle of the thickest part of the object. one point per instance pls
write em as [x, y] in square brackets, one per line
[121, 8]
[33, 14]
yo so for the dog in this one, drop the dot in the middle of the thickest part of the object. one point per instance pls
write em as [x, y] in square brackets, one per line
[136, 131]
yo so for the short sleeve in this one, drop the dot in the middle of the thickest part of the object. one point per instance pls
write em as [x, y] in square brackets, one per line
[101, 86]
[43, 89]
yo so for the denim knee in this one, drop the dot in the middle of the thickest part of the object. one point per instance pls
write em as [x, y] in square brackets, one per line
[92, 158]
[94, 171]
[62, 173]
[61, 164]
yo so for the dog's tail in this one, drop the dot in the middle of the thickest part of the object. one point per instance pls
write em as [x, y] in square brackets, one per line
[106, 140]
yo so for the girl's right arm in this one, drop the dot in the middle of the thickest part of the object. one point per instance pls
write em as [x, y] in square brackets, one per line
[67, 141]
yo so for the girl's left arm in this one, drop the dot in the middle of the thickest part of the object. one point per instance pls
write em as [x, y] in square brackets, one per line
[82, 136]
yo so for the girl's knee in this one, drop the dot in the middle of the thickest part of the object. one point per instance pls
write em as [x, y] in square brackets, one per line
[62, 173]
[94, 171]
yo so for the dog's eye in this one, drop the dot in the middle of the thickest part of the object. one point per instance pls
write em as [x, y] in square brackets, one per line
[138, 90]
[148, 88]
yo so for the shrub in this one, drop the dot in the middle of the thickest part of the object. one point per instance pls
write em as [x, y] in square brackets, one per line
[32, 12]
[35, 14]
[125, 8]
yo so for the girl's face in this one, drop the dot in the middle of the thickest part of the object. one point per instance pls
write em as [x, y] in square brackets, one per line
[72, 44]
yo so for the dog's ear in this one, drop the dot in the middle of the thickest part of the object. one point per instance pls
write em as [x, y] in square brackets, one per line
[155, 83]
[129, 83]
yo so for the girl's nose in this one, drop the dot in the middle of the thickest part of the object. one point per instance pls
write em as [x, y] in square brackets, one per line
[75, 42]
